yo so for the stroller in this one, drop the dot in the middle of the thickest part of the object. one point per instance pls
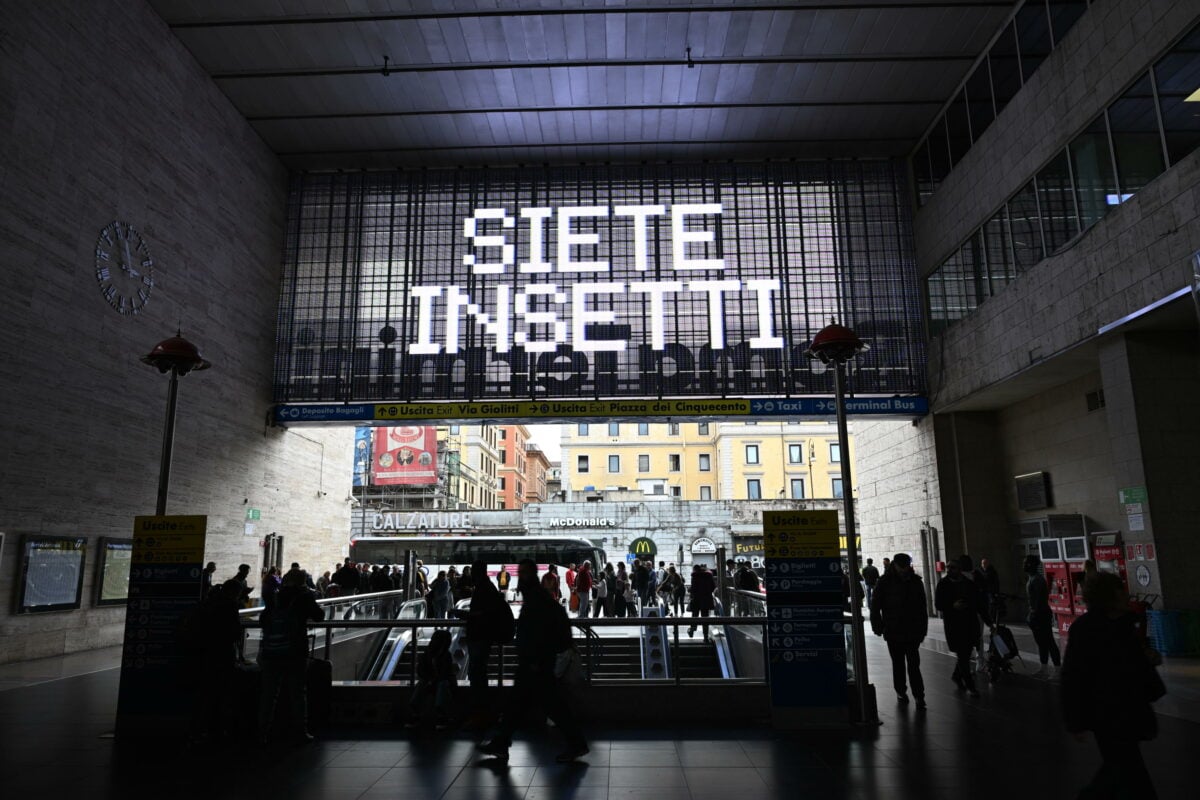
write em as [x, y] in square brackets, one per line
[1002, 646]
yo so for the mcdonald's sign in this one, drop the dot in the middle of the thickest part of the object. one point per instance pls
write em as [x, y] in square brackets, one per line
[643, 546]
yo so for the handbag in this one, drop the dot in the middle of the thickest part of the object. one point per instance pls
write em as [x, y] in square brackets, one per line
[574, 603]
[567, 667]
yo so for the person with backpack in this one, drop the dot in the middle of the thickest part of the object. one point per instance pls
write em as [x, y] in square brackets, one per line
[543, 632]
[489, 622]
[283, 654]
[672, 590]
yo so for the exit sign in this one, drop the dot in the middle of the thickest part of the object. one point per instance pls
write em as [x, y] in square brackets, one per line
[253, 514]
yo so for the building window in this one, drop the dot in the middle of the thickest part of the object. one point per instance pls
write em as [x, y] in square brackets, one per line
[582, 429]
[454, 430]
[503, 456]
[520, 490]
[673, 428]
[705, 462]
[676, 491]
[797, 488]
[673, 462]
[835, 453]
[614, 429]
[751, 454]
[795, 454]
[703, 428]
[583, 464]
[502, 484]
[837, 487]
[614, 463]
[644, 463]
[643, 429]
[706, 493]
[658, 489]
[754, 489]
[503, 433]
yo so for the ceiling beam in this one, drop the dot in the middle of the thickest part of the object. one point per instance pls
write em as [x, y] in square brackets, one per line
[492, 66]
[448, 112]
[342, 19]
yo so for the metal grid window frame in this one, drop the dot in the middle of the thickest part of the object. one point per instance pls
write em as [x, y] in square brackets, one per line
[836, 235]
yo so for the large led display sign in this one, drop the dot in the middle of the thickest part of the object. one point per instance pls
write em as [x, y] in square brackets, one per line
[594, 282]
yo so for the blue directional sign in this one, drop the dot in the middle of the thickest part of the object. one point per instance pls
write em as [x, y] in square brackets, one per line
[912, 406]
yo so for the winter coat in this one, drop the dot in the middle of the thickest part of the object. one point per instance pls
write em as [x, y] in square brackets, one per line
[960, 602]
[898, 611]
[1105, 674]
[703, 587]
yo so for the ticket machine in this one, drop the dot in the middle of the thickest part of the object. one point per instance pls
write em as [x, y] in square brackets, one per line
[1058, 582]
[1076, 552]
[1109, 554]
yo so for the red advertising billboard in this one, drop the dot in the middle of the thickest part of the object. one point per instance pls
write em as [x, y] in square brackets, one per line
[404, 454]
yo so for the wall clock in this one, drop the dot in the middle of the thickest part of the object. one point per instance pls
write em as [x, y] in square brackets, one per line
[124, 268]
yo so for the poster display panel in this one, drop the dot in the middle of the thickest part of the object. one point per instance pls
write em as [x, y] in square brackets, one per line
[51, 573]
[113, 558]
[404, 455]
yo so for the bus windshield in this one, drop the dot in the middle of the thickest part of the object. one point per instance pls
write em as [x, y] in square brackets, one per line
[462, 550]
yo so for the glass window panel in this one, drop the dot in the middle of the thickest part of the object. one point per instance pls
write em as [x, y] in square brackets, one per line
[1006, 67]
[935, 290]
[1178, 77]
[1095, 183]
[998, 250]
[975, 265]
[702, 429]
[835, 452]
[614, 463]
[754, 489]
[643, 429]
[1063, 16]
[614, 429]
[959, 287]
[979, 100]
[1033, 35]
[837, 487]
[797, 488]
[922, 175]
[1056, 201]
[706, 493]
[583, 429]
[1136, 141]
[958, 128]
[939, 152]
[1025, 228]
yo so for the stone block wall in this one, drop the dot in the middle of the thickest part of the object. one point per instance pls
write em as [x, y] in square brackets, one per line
[104, 115]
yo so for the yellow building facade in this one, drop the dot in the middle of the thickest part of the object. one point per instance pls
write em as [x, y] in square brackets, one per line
[704, 461]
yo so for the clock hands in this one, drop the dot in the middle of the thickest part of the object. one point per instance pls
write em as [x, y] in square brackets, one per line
[127, 264]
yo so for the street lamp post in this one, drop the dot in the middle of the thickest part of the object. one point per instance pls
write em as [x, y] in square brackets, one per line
[177, 356]
[836, 344]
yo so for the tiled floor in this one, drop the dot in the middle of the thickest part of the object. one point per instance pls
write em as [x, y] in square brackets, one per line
[1007, 743]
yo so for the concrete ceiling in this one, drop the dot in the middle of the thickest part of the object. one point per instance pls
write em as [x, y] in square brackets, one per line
[568, 81]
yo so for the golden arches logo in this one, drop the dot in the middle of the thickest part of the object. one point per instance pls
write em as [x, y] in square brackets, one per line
[642, 547]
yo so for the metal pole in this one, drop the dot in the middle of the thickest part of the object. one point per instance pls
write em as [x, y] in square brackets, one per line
[857, 636]
[164, 467]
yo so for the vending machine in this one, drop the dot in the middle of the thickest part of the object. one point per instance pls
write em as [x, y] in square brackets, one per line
[1058, 582]
[1076, 552]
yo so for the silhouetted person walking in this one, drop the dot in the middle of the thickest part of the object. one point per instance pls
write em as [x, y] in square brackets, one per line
[1041, 619]
[899, 616]
[283, 654]
[543, 632]
[1108, 683]
[961, 604]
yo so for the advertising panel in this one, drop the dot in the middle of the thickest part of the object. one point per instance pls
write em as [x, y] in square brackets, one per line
[595, 282]
[404, 455]
[362, 456]
[112, 578]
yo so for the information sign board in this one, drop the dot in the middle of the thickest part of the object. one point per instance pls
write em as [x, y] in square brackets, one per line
[806, 647]
[164, 586]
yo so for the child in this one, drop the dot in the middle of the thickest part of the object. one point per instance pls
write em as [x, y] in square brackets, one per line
[435, 677]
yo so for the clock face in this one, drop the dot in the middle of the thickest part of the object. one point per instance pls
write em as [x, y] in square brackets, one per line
[124, 268]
